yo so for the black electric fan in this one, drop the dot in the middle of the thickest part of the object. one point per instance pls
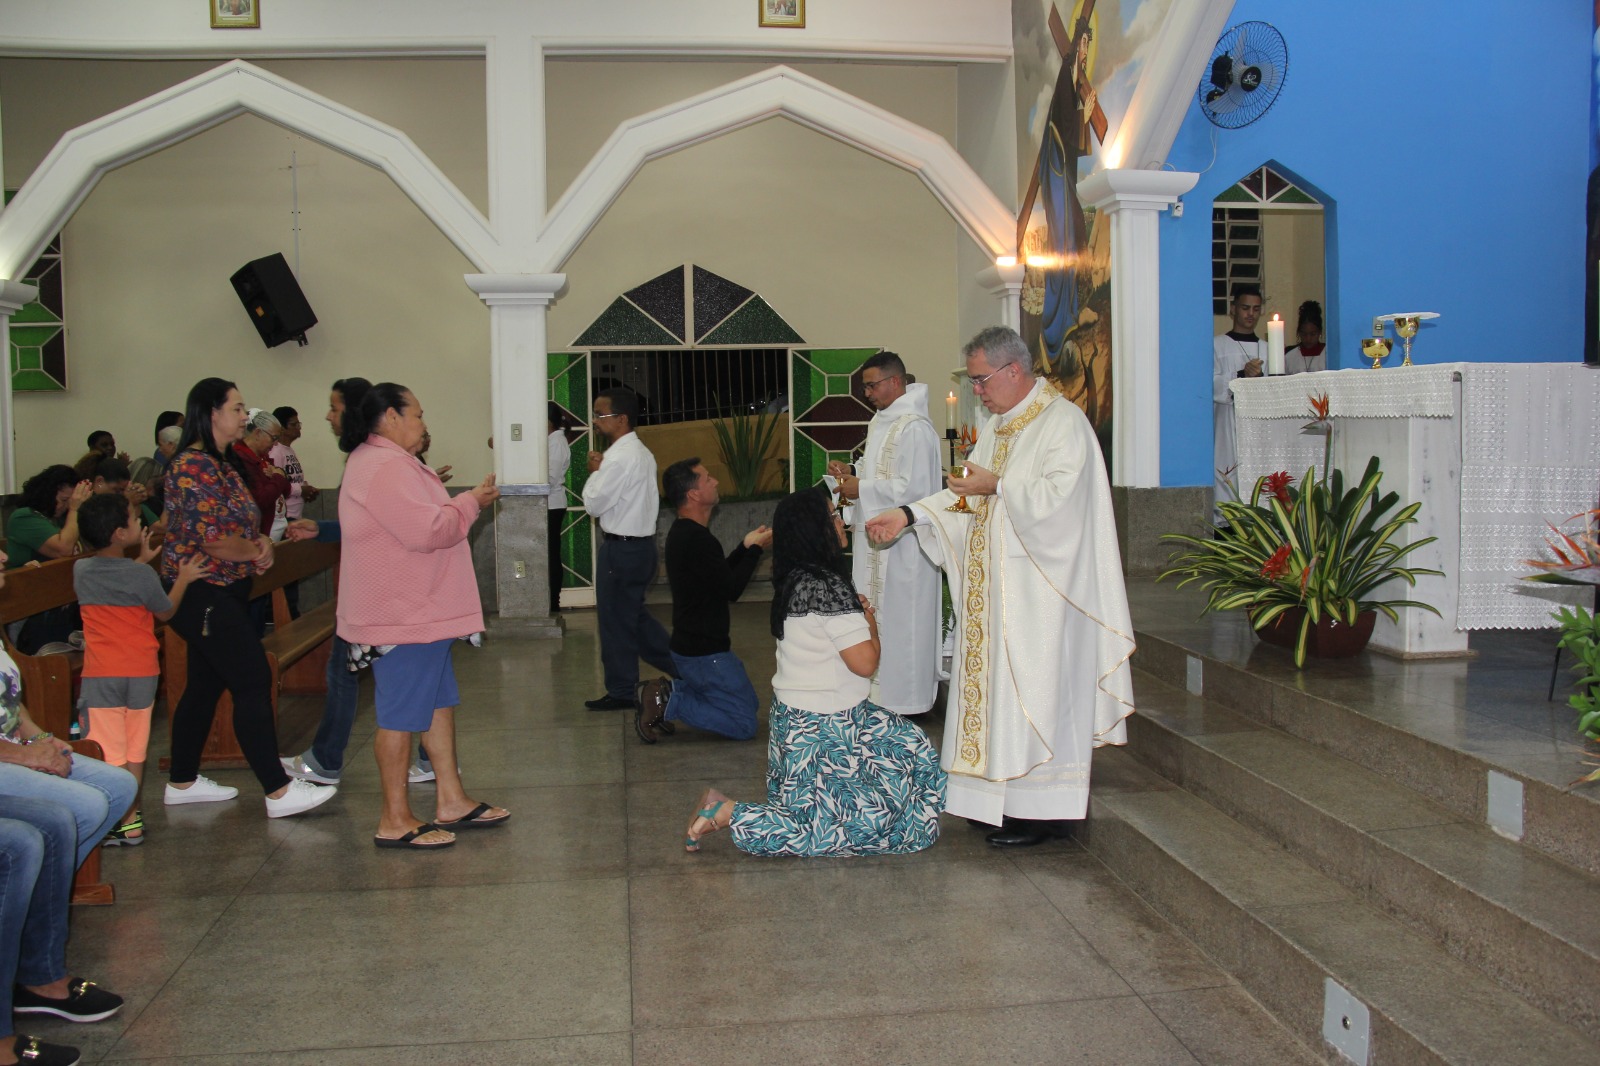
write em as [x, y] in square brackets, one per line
[1248, 68]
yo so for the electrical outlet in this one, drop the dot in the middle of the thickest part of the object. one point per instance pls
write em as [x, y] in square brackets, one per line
[520, 568]
[516, 434]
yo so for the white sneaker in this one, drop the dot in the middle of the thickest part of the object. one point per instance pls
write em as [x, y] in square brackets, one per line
[418, 776]
[204, 790]
[300, 797]
[297, 767]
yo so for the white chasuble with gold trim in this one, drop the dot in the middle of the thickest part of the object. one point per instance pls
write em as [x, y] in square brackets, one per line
[1041, 674]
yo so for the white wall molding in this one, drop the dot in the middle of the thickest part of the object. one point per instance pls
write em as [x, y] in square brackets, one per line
[1004, 283]
[519, 384]
[778, 91]
[1133, 201]
[85, 154]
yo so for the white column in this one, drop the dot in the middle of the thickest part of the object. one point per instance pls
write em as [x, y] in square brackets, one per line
[514, 73]
[518, 374]
[14, 295]
[1133, 200]
[1004, 283]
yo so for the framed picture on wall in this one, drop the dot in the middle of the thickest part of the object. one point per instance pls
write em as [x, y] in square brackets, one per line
[235, 14]
[783, 14]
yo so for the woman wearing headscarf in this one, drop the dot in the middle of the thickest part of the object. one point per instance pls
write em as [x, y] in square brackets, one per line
[844, 776]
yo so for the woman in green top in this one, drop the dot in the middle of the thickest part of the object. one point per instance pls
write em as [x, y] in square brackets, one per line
[46, 525]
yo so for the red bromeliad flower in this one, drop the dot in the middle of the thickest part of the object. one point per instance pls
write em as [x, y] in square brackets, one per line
[1277, 566]
[1278, 484]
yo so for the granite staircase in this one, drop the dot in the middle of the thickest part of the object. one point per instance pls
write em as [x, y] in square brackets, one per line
[1335, 841]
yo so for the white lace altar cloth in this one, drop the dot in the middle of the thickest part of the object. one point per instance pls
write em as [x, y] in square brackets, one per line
[1530, 436]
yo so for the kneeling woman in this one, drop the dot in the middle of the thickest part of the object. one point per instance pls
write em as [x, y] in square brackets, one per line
[844, 776]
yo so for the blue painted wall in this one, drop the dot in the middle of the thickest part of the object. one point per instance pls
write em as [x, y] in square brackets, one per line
[1451, 137]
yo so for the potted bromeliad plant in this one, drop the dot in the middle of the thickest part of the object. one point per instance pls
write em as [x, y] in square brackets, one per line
[1306, 561]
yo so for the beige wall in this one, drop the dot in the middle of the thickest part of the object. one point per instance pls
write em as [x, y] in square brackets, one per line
[852, 251]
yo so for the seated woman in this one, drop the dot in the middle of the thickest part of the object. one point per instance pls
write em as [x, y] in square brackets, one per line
[46, 525]
[844, 776]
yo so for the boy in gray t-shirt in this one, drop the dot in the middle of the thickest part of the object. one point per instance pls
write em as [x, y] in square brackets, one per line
[120, 599]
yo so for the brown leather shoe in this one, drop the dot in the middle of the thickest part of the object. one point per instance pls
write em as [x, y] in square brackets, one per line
[643, 711]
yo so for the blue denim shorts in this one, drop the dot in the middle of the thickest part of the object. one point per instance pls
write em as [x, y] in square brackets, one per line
[413, 681]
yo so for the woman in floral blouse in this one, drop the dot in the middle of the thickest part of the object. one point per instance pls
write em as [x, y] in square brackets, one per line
[210, 511]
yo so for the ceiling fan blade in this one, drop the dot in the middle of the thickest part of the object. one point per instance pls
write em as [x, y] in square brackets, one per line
[1241, 46]
[1228, 102]
[1269, 77]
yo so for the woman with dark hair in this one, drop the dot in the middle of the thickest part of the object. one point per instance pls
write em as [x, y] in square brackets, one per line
[210, 512]
[1310, 354]
[844, 776]
[407, 591]
[46, 525]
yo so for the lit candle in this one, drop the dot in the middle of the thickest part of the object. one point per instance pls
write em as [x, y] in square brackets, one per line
[1275, 345]
[950, 414]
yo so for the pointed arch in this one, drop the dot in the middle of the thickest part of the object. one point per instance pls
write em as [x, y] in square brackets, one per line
[84, 154]
[786, 92]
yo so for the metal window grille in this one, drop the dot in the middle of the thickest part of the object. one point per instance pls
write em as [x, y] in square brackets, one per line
[691, 384]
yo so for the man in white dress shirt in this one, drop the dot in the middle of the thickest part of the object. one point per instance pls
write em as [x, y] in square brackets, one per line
[1237, 353]
[622, 494]
[900, 465]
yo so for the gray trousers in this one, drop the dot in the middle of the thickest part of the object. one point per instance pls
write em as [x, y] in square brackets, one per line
[628, 632]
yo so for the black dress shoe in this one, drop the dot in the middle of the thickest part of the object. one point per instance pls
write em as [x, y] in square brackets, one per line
[608, 703]
[1028, 833]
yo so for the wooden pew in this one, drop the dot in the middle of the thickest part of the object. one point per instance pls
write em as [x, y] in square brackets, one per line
[297, 649]
[49, 686]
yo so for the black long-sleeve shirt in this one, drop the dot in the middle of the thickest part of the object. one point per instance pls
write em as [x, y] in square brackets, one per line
[703, 584]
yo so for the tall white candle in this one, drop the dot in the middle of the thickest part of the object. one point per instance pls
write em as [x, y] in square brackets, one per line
[1275, 345]
[950, 413]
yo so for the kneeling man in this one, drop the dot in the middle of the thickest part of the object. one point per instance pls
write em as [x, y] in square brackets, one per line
[713, 691]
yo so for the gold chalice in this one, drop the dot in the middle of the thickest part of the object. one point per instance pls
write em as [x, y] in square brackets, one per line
[960, 506]
[1377, 349]
[1406, 326]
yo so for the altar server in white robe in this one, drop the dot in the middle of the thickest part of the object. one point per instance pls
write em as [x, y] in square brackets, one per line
[900, 464]
[1043, 639]
[1237, 353]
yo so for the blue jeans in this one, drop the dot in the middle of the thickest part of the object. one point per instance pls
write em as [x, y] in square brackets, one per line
[714, 693]
[36, 849]
[338, 713]
[96, 794]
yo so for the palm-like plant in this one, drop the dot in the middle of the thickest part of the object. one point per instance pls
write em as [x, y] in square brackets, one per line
[742, 440]
[1319, 546]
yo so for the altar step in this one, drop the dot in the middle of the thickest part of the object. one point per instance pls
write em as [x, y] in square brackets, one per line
[1301, 943]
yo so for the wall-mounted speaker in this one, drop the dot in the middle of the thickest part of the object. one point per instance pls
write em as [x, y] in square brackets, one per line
[277, 307]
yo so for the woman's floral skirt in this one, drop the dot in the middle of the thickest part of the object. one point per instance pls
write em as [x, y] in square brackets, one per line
[865, 781]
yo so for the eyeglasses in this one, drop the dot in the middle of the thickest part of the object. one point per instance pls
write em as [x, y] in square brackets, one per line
[613, 414]
[869, 386]
[978, 381]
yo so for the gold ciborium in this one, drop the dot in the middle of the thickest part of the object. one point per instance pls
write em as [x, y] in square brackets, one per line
[1406, 326]
[960, 506]
[1377, 349]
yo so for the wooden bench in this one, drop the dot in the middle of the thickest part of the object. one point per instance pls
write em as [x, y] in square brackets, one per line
[49, 686]
[297, 649]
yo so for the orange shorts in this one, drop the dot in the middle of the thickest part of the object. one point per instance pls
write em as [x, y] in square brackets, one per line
[122, 732]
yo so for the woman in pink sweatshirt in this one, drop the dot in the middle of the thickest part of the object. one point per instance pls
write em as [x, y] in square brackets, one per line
[406, 581]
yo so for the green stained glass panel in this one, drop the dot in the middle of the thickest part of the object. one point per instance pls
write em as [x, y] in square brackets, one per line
[754, 323]
[1292, 195]
[624, 325]
[810, 462]
[840, 360]
[35, 381]
[577, 551]
[1235, 194]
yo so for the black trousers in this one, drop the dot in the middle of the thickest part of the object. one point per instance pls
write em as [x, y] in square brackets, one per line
[555, 520]
[224, 653]
[628, 632]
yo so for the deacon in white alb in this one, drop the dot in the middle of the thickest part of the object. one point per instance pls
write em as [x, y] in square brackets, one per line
[900, 465]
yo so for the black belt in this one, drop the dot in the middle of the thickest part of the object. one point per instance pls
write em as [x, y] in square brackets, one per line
[619, 536]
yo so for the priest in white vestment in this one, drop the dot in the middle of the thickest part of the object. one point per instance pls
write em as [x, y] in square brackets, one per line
[1043, 638]
[900, 464]
[1238, 353]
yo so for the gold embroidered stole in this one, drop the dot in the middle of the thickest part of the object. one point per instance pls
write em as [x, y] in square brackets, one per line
[972, 746]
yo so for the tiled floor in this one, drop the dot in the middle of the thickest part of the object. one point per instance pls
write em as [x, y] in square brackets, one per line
[583, 933]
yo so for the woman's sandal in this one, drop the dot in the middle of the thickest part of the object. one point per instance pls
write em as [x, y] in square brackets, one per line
[705, 818]
[129, 834]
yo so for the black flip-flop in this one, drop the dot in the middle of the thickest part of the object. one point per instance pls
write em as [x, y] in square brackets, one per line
[474, 819]
[410, 839]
